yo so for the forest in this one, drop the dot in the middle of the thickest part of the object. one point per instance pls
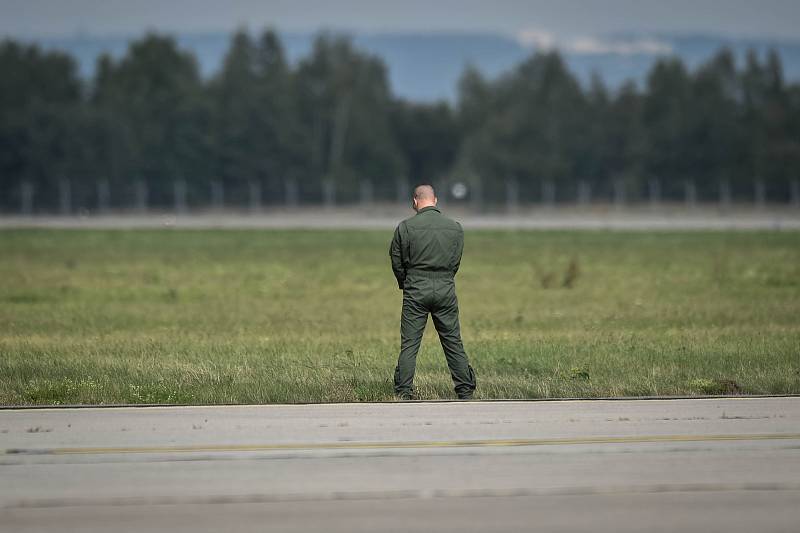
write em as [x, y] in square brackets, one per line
[148, 130]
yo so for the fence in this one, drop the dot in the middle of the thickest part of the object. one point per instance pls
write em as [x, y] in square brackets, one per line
[510, 196]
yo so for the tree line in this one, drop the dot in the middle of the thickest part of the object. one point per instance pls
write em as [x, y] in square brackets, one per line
[149, 128]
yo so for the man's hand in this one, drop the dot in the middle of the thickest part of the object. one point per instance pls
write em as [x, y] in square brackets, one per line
[396, 255]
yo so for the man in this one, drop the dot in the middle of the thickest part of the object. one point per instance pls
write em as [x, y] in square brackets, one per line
[426, 253]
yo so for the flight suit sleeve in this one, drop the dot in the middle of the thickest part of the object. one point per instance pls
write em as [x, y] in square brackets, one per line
[396, 254]
[459, 249]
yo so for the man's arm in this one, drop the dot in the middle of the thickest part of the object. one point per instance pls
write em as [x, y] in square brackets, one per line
[396, 254]
[459, 249]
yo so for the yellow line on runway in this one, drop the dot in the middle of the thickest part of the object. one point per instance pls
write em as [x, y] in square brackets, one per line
[632, 439]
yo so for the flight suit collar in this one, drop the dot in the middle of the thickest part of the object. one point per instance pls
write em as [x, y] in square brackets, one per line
[429, 208]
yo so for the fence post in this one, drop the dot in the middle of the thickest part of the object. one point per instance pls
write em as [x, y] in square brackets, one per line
[141, 196]
[548, 193]
[291, 192]
[64, 196]
[690, 194]
[619, 193]
[476, 194]
[328, 193]
[654, 193]
[759, 193]
[254, 196]
[179, 196]
[584, 193]
[403, 196]
[26, 198]
[512, 194]
[366, 192]
[217, 194]
[724, 194]
[440, 188]
[103, 196]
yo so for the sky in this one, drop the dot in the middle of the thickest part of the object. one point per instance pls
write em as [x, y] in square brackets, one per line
[534, 21]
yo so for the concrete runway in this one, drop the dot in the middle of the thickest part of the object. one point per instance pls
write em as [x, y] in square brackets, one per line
[708, 465]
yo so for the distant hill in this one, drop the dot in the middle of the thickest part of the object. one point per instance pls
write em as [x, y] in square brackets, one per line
[427, 66]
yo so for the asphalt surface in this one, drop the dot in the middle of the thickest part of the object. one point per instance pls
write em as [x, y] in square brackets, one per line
[609, 465]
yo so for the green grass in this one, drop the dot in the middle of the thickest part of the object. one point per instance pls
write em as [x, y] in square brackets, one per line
[294, 316]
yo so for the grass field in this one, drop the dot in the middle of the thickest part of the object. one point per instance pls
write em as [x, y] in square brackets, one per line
[168, 316]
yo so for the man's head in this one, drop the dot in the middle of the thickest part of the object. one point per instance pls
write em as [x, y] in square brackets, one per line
[424, 196]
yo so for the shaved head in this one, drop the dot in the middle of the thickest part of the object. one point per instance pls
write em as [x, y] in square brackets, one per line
[424, 192]
[424, 196]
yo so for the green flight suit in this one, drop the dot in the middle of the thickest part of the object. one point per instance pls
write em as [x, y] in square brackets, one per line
[426, 253]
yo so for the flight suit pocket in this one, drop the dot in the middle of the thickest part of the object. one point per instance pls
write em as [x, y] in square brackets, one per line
[416, 287]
